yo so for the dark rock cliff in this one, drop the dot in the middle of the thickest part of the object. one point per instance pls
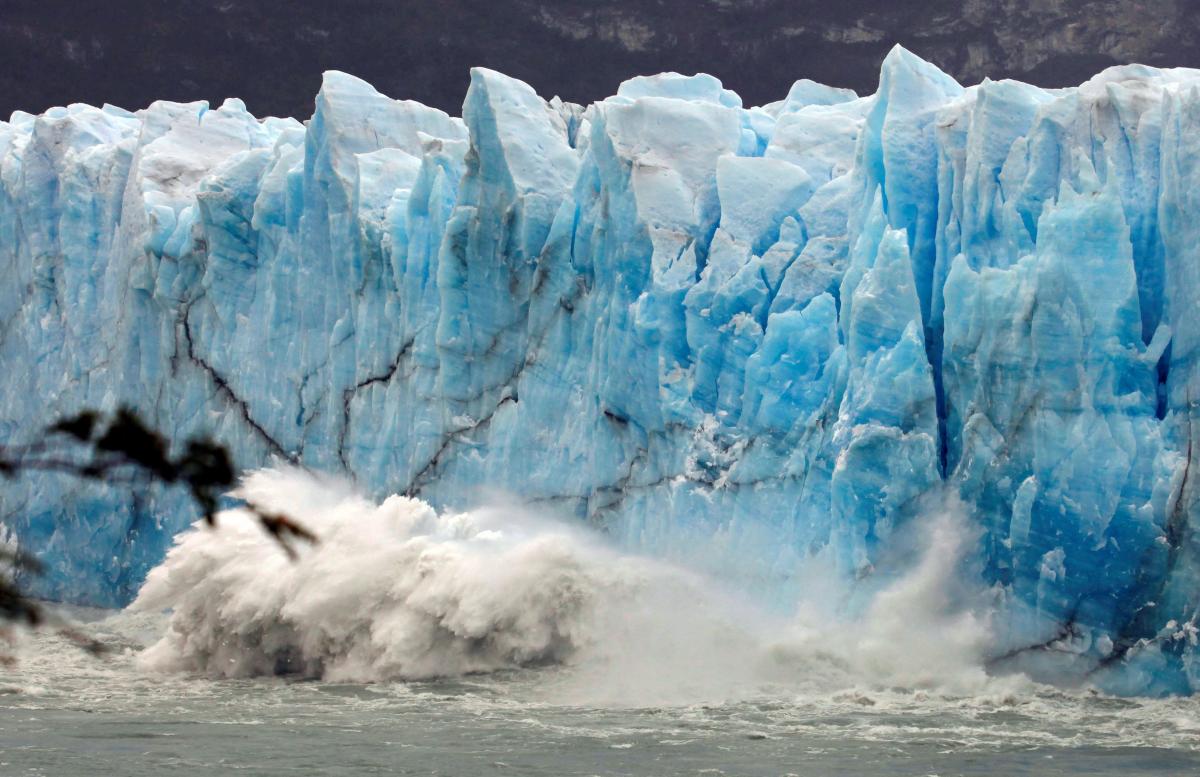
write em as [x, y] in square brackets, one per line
[129, 52]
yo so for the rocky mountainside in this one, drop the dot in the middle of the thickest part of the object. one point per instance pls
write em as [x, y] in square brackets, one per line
[130, 52]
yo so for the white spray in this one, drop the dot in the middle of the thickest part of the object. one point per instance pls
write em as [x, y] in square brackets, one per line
[397, 591]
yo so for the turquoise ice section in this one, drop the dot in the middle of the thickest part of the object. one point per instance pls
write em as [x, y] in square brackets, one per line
[741, 338]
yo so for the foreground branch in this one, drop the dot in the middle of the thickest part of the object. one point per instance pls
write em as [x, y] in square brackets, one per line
[121, 450]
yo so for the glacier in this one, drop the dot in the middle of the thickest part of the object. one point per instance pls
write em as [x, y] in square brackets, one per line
[741, 338]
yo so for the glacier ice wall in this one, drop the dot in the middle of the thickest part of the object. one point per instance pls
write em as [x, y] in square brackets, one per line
[737, 337]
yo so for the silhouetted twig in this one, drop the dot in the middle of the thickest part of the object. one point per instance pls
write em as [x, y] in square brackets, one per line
[122, 449]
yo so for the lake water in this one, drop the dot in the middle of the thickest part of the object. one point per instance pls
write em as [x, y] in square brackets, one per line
[66, 713]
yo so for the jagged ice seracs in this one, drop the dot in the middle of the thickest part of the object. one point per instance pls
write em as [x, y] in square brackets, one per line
[746, 340]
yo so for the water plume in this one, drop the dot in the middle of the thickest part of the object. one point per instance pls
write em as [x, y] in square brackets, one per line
[397, 591]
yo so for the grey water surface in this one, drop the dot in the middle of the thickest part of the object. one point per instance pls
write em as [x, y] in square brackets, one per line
[63, 712]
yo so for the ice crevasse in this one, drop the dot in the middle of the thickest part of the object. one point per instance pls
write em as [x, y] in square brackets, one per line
[736, 337]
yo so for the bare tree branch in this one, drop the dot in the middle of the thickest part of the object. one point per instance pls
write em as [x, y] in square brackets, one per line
[121, 450]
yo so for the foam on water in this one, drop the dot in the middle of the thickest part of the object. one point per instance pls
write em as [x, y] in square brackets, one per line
[73, 714]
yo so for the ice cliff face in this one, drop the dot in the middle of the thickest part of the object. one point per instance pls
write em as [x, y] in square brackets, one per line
[738, 337]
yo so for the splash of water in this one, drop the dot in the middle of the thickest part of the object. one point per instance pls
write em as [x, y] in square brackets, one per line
[397, 591]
